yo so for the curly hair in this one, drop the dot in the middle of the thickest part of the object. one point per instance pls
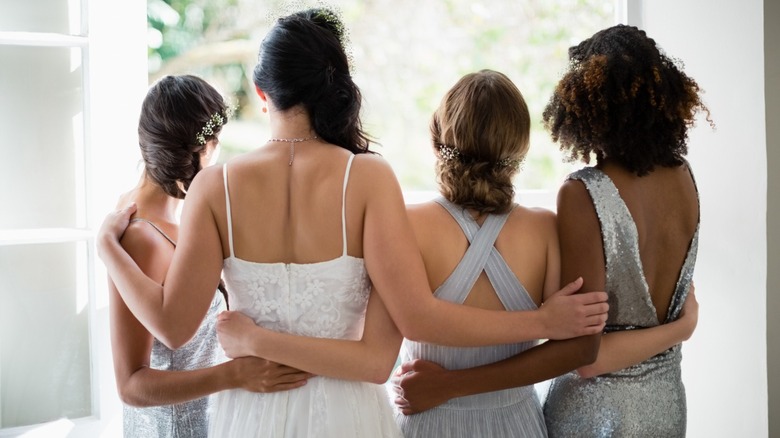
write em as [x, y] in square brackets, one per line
[481, 133]
[622, 98]
[302, 62]
[176, 109]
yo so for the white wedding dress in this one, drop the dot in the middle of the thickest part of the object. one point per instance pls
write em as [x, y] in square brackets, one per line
[325, 300]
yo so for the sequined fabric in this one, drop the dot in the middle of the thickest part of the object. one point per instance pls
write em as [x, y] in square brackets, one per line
[644, 400]
[509, 413]
[184, 420]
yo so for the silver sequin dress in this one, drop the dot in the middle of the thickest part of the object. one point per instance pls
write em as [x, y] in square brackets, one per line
[509, 413]
[643, 400]
[183, 420]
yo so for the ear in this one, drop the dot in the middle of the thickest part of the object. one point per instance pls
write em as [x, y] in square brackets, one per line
[260, 93]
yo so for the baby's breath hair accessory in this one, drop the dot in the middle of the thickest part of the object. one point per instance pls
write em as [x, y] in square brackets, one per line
[213, 124]
[509, 162]
[448, 153]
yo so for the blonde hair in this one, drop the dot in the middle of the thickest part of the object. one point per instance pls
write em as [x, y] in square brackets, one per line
[481, 134]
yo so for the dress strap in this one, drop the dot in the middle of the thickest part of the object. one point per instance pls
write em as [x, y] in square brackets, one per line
[344, 204]
[227, 210]
[159, 230]
[508, 288]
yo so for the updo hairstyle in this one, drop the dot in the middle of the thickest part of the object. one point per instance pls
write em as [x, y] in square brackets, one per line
[623, 99]
[481, 133]
[302, 62]
[174, 114]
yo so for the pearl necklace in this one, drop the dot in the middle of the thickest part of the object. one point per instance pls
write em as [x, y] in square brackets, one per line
[292, 142]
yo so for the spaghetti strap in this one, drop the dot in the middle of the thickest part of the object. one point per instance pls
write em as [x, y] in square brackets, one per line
[159, 230]
[343, 206]
[227, 210]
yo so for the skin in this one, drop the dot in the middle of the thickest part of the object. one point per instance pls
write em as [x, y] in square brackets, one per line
[305, 227]
[665, 207]
[529, 244]
[131, 343]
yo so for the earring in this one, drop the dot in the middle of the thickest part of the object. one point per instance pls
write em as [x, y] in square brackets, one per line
[265, 110]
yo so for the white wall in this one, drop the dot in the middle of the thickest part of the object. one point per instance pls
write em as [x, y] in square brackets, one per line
[724, 365]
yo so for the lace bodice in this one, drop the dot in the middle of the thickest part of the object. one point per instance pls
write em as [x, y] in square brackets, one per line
[325, 299]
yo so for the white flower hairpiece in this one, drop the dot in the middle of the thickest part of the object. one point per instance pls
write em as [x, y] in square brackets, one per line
[213, 124]
[449, 153]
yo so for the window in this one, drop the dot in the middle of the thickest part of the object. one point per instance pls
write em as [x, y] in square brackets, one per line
[405, 56]
[54, 362]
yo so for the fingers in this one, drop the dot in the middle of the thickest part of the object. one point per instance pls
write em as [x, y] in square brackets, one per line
[407, 367]
[570, 288]
[129, 210]
[288, 386]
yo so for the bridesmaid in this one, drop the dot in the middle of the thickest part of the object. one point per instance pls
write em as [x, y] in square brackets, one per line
[628, 225]
[483, 250]
[165, 389]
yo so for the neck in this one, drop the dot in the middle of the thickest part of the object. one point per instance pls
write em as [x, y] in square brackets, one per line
[291, 123]
[153, 202]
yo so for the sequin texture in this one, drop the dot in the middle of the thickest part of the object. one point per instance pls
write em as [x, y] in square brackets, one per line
[644, 400]
[181, 420]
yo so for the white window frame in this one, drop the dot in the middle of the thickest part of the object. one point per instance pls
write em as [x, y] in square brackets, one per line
[112, 40]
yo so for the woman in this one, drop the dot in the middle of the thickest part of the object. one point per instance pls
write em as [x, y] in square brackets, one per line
[629, 225]
[483, 250]
[300, 226]
[165, 391]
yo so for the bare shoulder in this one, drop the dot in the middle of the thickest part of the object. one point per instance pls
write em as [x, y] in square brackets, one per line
[208, 185]
[536, 217]
[372, 167]
[145, 244]
[573, 197]
[425, 215]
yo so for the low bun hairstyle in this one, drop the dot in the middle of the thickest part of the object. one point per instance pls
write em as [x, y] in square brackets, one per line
[176, 109]
[484, 120]
[302, 62]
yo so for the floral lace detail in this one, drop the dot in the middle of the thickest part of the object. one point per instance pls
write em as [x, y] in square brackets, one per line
[325, 300]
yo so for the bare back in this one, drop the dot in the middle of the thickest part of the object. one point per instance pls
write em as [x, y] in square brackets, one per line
[664, 206]
[528, 243]
[291, 213]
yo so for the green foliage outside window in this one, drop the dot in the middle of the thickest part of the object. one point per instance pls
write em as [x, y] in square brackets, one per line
[405, 54]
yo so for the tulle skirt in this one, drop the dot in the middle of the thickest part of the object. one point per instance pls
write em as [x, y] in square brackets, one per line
[324, 407]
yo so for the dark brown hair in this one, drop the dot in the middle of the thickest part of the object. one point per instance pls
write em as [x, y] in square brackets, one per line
[484, 118]
[302, 62]
[623, 99]
[175, 111]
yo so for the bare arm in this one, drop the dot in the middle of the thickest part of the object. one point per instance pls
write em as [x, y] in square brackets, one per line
[421, 385]
[370, 359]
[396, 268]
[582, 254]
[626, 348]
[174, 312]
[131, 345]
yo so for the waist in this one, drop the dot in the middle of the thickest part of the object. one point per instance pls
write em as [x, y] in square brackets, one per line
[492, 400]
[457, 358]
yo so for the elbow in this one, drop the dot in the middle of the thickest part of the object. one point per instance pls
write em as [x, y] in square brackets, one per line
[380, 373]
[173, 343]
[176, 339]
[129, 396]
[588, 371]
[415, 327]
